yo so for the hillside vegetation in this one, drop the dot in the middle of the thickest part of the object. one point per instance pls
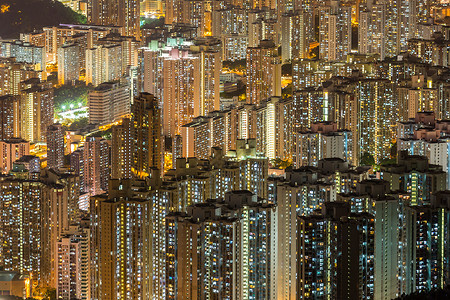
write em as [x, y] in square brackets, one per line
[18, 16]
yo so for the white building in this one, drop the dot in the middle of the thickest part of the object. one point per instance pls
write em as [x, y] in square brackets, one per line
[68, 63]
[104, 63]
[24, 52]
[322, 141]
[108, 102]
[68, 268]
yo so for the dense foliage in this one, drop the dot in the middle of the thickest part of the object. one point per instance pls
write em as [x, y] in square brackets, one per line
[67, 95]
[235, 65]
[286, 70]
[79, 124]
[279, 163]
[18, 16]
[430, 295]
[367, 159]
[151, 22]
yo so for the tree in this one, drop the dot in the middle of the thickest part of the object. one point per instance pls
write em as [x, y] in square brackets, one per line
[44, 293]
[71, 95]
[240, 64]
[286, 70]
[393, 150]
[281, 163]
[79, 124]
[367, 159]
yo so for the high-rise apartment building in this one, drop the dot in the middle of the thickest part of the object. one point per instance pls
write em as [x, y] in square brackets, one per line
[9, 117]
[253, 169]
[414, 175]
[122, 150]
[72, 183]
[24, 52]
[385, 27]
[230, 25]
[53, 37]
[374, 198]
[420, 94]
[204, 133]
[387, 278]
[372, 117]
[92, 163]
[300, 194]
[181, 92]
[13, 73]
[27, 167]
[222, 248]
[55, 146]
[104, 63]
[34, 215]
[426, 231]
[293, 36]
[174, 78]
[335, 33]
[146, 122]
[433, 51]
[10, 151]
[68, 269]
[210, 70]
[68, 63]
[129, 46]
[323, 140]
[195, 14]
[124, 13]
[372, 31]
[121, 243]
[336, 251]
[77, 166]
[55, 208]
[425, 136]
[263, 72]
[20, 226]
[240, 169]
[274, 128]
[36, 110]
[73, 262]
[310, 105]
[234, 47]
[185, 81]
[109, 102]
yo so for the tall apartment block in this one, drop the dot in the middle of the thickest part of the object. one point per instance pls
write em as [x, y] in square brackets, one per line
[92, 163]
[340, 245]
[12, 150]
[263, 72]
[214, 250]
[36, 110]
[146, 118]
[9, 117]
[109, 102]
[323, 140]
[73, 263]
[120, 231]
[414, 175]
[55, 146]
[68, 63]
[124, 13]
